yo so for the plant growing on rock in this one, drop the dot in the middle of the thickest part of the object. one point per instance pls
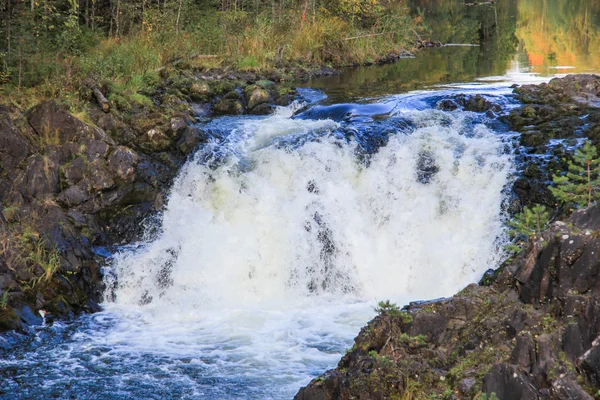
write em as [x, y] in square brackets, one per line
[4, 300]
[391, 309]
[529, 223]
[579, 185]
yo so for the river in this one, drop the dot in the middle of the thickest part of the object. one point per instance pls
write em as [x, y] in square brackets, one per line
[283, 232]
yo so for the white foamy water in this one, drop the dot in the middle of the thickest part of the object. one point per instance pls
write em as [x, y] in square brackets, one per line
[267, 266]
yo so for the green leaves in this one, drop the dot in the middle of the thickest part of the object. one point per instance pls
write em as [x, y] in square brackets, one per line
[579, 185]
[531, 222]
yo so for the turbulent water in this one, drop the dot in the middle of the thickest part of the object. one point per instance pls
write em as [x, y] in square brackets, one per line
[279, 237]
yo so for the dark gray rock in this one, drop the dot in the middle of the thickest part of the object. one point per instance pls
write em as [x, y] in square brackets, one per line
[507, 382]
[567, 389]
[467, 386]
[73, 196]
[53, 124]
[590, 364]
[122, 162]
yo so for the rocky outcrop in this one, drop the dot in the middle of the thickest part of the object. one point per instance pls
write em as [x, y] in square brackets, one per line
[64, 185]
[551, 118]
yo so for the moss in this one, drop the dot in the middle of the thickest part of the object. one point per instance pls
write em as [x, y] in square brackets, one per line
[9, 320]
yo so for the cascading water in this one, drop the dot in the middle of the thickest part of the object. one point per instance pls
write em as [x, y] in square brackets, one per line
[278, 239]
[274, 224]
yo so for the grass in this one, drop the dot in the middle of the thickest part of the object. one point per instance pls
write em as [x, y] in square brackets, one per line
[48, 260]
[128, 69]
[4, 300]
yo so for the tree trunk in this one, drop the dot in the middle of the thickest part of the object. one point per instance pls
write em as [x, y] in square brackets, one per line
[8, 30]
[179, 15]
[143, 17]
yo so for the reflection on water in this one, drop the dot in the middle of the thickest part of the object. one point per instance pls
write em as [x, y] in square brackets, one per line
[539, 37]
[559, 36]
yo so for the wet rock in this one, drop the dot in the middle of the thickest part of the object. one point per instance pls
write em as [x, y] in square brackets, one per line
[178, 125]
[257, 96]
[28, 316]
[190, 139]
[447, 105]
[477, 103]
[262, 109]
[228, 106]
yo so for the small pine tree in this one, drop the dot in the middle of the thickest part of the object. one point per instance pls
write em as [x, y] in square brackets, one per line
[530, 222]
[579, 186]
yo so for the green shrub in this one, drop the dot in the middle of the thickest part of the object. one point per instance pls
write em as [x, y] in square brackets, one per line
[579, 185]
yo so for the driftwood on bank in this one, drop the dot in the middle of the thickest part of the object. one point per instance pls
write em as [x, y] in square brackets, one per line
[481, 3]
[100, 98]
[363, 36]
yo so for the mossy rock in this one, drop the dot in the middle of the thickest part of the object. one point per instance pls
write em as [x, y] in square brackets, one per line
[200, 91]
[9, 320]
[223, 86]
[228, 107]
[257, 97]
[265, 84]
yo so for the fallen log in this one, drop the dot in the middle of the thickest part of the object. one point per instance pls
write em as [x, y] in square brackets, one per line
[481, 3]
[100, 98]
[363, 36]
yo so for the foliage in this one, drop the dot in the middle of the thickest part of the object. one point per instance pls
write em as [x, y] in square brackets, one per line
[4, 300]
[483, 396]
[531, 222]
[579, 185]
[386, 307]
[48, 260]
[392, 310]
[55, 45]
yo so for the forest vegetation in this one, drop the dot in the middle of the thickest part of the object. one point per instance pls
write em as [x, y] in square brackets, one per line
[50, 48]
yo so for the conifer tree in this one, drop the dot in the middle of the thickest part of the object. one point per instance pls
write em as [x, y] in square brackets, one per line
[579, 186]
[531, 222]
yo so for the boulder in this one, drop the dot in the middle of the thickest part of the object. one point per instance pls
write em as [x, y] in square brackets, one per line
[257, 96]
[227, 106]
[200, 91]
[14, 148]
[122, 162]
[54, 125]
[507, 382]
